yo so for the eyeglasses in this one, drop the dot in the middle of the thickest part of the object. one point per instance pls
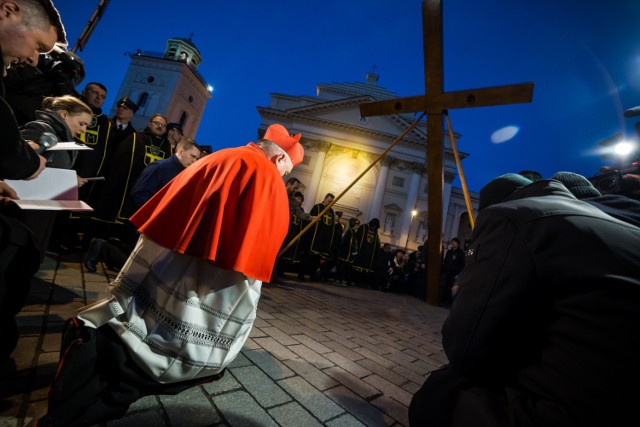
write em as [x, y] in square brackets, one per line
[159, 124]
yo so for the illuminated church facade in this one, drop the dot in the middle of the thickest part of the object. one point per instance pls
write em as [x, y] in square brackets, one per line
[340, 145]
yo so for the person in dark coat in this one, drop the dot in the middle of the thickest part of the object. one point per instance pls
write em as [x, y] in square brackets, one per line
[539, 334]
[318, 240]
[121, 122]
[347, 252]
[56, 74]
[62, 117]
[452, 265]
[368, 242]
[158, 174]
[293, 257]
[19, 258]
[127, 163]
[90, 163]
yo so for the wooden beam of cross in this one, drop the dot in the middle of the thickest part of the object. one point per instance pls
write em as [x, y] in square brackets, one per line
[435, 102]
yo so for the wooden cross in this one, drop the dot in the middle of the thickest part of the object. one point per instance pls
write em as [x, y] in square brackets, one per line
[435, 103]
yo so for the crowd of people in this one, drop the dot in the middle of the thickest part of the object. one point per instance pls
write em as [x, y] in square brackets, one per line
[349, 253]
[543, 327]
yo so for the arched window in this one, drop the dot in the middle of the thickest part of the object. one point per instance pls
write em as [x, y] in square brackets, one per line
[142, 99]
[183, 119]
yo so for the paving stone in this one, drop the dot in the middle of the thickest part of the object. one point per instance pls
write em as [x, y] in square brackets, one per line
[275, 348]
[343, 351]
[348, 365]
[385, 373]
[371, 355]
[223, 385]
[353, 383]
[240, 360]
[147, 402]
[378, 348]
[391, 407]
[269, 364]
[239, 409]
[280, 336]
[262, 388]
[293, 415]
[313, 375]
[311, 356]
[190, 408]
[144, 418]
[311, 398]
[346, 420]
[345, 339]
[312, 344]
[332, 377]
[389, 389]
[256, 332]
[359, 408]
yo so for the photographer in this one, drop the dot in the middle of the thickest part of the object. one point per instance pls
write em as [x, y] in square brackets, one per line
[57, 74]
[624, 180]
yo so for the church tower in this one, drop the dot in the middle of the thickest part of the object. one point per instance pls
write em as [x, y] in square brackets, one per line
[167, 83]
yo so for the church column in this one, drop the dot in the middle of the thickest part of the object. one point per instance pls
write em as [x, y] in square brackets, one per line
[412, 198]
[375, 210]
[311, 193]
[446, 195]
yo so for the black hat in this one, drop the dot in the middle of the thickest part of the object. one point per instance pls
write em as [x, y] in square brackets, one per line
[298, 194]
[177, 126]
[579, 186]
[500, 188]
[127, 102]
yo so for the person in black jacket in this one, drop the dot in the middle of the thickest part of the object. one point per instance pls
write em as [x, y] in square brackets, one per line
[64, 117]
[29, 28]
[452, 265]
[538, 334]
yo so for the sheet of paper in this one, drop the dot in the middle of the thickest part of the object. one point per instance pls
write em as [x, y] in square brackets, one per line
[68, 146]
[53, 189]
[54, 205]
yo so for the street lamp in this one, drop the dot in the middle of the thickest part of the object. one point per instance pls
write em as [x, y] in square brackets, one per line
[413, 215]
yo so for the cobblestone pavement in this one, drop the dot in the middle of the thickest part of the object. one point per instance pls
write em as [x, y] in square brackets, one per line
[318, 355]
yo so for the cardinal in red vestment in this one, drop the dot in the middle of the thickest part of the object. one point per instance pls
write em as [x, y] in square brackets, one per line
[185, 301]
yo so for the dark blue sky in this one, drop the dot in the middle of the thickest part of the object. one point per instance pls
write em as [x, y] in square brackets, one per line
[583, 57]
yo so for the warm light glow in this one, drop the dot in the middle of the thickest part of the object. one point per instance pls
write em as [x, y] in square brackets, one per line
[504, 134]
[414, 213]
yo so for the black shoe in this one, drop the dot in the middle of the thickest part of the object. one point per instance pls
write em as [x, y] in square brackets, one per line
[90, 265]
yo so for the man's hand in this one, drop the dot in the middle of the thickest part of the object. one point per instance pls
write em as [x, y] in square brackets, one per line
[7, 193]
[81, 181]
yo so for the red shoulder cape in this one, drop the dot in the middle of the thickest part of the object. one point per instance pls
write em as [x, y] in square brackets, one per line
[230, 207]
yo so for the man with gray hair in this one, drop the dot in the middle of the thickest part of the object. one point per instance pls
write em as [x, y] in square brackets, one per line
[185, 301]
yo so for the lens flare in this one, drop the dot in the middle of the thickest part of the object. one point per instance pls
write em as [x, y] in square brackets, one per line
[504, 134]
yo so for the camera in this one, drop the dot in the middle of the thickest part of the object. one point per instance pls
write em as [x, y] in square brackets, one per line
[611, 182]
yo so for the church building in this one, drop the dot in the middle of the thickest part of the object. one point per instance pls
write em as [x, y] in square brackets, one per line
[340, 144]
[167, 83]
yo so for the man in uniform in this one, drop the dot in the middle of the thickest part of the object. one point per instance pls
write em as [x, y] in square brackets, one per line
[318, 241]
[121, 122]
